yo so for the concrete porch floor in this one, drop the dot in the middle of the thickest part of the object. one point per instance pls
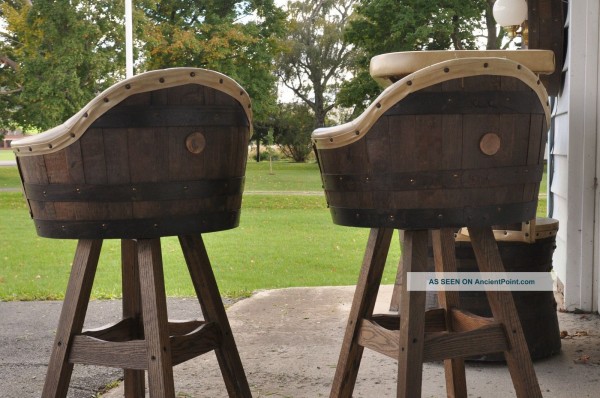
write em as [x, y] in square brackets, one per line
[289, 341]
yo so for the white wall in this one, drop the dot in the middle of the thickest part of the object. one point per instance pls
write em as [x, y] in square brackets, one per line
[574, 161]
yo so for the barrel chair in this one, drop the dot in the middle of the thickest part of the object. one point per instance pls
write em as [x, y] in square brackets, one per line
[450, 143]
[159, 154]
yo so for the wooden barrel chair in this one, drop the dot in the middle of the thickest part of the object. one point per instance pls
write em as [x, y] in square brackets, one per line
[457, 143]
[160, 154]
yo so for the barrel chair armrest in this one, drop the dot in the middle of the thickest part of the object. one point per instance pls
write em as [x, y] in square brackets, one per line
[389, 68]
[63, 135]
[338, 136]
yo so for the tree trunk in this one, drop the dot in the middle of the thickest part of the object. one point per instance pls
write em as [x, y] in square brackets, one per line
[492, 38]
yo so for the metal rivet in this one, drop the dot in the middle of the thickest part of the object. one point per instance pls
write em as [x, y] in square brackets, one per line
[485, 65]
[193, 74]
[30, 149]
[446, 70]
[162, 80]
[518, 66]
[378, 105]
[409, 83]
[72, 135]
[106, 99]
[331, 140]
[128, 86]
[221, 81]
[357, 132]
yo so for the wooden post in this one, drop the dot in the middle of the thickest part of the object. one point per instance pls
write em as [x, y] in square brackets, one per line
[212, 308]
[362, 307]
[134, 380]
[504, 311]
[156, 331]
[72, 316]
[412, 319]
[444, 255]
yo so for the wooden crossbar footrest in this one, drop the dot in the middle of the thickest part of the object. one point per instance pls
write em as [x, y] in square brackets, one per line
[115, 346]
[472, 335]
[435, 320]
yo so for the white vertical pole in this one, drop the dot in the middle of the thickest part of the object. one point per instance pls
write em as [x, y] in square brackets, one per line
[128, 39]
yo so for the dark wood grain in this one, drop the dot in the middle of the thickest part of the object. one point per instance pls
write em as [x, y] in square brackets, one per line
[208, 295]
[435, 134]
[72, 317]
[504, 311]
[134, 380]
[412, 321]
[444, 255]
[139, 141]
[362, 307]
[155, 320]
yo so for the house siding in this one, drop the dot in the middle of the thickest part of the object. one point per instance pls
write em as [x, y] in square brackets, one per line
[574, 162]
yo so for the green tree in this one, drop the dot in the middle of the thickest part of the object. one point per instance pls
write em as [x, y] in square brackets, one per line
[317, 57]
[56, 56]
[235, 37]
[292, 130]
[384, 26]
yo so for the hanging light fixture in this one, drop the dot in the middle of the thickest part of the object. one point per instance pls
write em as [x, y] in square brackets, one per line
[512, 15]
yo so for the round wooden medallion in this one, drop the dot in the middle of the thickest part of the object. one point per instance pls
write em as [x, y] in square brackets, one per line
[195, 143]
[490, 144]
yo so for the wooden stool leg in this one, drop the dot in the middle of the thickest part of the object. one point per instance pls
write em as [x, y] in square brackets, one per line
[134, 383]
[362, 307]
[412, 317]
[504, 311]
[212, 308]
[154, 307]
[395, 301]
[72, 317]
[444, 255]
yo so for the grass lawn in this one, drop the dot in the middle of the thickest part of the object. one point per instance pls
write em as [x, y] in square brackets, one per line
[7, 154]
[282, 241]
[286, 176]
[9, 177]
